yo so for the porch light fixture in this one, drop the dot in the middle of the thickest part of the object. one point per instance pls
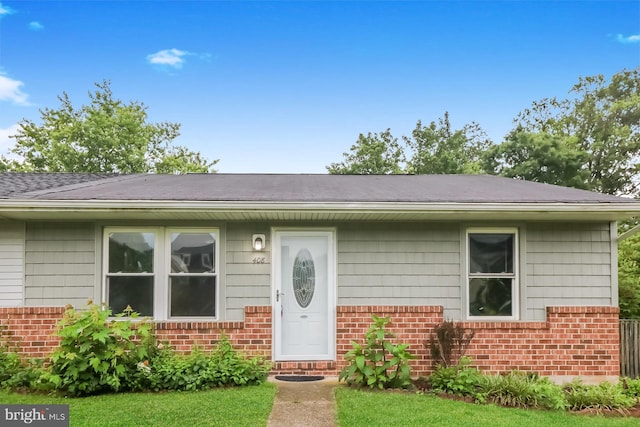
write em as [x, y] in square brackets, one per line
[258, 242]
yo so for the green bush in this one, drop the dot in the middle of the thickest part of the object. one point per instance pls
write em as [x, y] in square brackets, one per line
[524, 390]
[460, 379]
[98, 354]
[631, 387]
[15, 373]
[378, 363]
[224, 366]
[597, 397]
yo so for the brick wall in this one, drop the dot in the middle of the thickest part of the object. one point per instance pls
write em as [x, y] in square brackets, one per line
[30, 329]
[574, 341]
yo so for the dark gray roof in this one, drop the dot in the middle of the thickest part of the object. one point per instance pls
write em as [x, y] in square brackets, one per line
[14, 184]
[293, 188]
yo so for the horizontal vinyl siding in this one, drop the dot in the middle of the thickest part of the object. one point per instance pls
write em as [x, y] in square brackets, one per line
[11, 264]
[246, 282]
[567, 264]
[59, 264]
[400, 264]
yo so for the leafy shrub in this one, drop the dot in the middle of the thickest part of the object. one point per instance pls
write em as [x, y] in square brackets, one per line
[460, 379]
[16, 373]
[631, 387]
[524, 390]
[448, 343]
[97, 354]
[224, 366]
[378, 363]
[597, 397]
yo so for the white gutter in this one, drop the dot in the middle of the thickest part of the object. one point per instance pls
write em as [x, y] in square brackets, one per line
[16, 205]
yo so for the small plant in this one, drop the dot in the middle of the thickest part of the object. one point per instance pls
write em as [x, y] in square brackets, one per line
[524, 390]
[597, 397]
[378, 363]
[631, 387]
[460, 379]
[448, 343]
[224, 366]
[97, 354]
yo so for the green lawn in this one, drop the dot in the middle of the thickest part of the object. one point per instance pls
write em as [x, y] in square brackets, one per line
[372, 409]
[238, 406]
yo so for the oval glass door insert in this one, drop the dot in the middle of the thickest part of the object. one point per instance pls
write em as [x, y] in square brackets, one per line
[304, 278]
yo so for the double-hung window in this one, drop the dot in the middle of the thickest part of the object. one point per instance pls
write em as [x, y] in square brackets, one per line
[492, 276]
[162, 272]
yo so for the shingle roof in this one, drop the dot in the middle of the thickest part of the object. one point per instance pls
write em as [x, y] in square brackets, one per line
[297, 188]
[14, 184]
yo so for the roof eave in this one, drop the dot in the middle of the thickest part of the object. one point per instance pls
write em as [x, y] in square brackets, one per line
[251, 210]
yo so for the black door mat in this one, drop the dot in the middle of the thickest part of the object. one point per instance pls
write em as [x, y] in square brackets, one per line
[299, 378]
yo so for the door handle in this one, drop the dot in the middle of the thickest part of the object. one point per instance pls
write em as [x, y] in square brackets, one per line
[278, 294]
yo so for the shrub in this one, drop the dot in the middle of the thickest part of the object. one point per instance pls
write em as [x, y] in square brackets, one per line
[525, 390]
[378, 363]
[97, 354]
[631, 387]
[448, 343]
[224, 366]
[460, 379]
[597, 397]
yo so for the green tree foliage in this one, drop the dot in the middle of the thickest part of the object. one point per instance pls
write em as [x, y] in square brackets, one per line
[539, 157]
[437, 149]
[432, 149]
[629, 277]
[373, 154]
[106, 135]
[601, 119]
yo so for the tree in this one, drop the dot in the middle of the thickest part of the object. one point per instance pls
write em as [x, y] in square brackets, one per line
[373, 154]
[104, 136]
[539, 157]
[439, 150]
[629, 277]
[601, 119]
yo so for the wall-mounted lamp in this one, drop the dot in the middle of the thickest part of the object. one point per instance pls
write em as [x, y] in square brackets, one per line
[258, 242]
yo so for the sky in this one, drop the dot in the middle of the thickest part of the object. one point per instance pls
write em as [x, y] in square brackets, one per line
[287, 86]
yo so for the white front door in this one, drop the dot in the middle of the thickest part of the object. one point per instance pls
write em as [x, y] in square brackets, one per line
[303, 295]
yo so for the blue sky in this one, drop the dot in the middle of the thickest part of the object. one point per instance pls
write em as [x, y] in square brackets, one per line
[288, 86]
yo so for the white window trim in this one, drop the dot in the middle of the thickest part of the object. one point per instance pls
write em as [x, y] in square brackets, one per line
[515, 291]
[162, 267]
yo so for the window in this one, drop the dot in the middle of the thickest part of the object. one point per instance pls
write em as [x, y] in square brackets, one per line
[492, 272]
[162, 272]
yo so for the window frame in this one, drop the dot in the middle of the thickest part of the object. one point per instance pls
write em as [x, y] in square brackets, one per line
[515, 276]
[162, 267]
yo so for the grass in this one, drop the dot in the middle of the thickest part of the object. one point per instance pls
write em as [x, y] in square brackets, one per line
[236, 406]
[371, 409]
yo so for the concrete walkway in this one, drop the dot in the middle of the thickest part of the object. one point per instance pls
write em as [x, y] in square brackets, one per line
[304, 404]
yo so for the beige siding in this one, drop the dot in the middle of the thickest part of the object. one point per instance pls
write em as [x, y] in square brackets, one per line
[567, 264]
[246, 282]
[11, 264]
[59, 264]
[400, 264]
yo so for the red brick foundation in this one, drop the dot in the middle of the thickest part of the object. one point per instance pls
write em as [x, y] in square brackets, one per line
[574, 341]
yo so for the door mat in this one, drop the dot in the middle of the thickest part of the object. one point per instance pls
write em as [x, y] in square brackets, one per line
[299, 378]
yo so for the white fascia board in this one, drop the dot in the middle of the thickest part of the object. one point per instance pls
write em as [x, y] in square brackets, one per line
[33, 208]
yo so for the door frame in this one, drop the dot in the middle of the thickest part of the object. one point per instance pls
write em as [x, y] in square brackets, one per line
[276, 274]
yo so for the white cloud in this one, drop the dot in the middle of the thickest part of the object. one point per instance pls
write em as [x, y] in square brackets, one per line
[36, 26]
[174, 58]
[634, 38]
[10, 91]
[5, 141]
[5, 10]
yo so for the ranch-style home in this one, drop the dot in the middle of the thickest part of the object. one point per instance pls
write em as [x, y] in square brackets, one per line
[292, 266]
